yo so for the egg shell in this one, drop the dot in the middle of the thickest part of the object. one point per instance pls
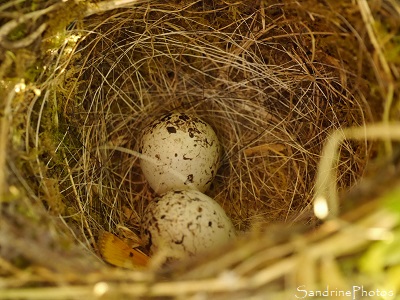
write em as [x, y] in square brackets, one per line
[184, 223]
[183, 152]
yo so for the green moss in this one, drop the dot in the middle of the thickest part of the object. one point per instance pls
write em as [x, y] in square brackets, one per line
[18, 33]
[391, 200]
[392, 52]
[32, 72]
[59, 21]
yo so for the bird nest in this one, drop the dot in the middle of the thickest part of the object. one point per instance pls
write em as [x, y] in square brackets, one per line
[276, 80]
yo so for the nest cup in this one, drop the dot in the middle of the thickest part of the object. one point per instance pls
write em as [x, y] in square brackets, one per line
[272, 102]
[274, 80]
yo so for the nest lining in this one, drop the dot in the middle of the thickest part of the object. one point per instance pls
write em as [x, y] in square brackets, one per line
[271, 97]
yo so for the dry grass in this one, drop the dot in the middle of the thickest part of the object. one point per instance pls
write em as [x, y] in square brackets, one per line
[274, 80]
[271, 100]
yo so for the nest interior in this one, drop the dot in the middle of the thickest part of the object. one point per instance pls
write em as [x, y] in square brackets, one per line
[273, 78]
[262, 82]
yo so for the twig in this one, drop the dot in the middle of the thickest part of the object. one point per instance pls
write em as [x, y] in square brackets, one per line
[349, 238]
[101, 7]
[326, 198]
[91, 9]
[369, 22]
[5, 122]
[26, 41]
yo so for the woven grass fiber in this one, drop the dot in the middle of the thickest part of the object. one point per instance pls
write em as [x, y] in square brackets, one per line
[303, 95]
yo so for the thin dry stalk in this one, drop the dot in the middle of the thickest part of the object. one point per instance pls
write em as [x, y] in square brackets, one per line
[326, 203]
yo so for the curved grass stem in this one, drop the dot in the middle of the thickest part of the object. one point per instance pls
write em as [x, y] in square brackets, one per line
[326, 203]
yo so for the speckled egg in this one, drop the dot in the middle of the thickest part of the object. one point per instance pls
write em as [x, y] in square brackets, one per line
[179, 152]
[184, 223]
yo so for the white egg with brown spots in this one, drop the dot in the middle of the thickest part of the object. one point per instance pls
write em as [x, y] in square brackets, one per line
[184, 223]
[179, 151]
